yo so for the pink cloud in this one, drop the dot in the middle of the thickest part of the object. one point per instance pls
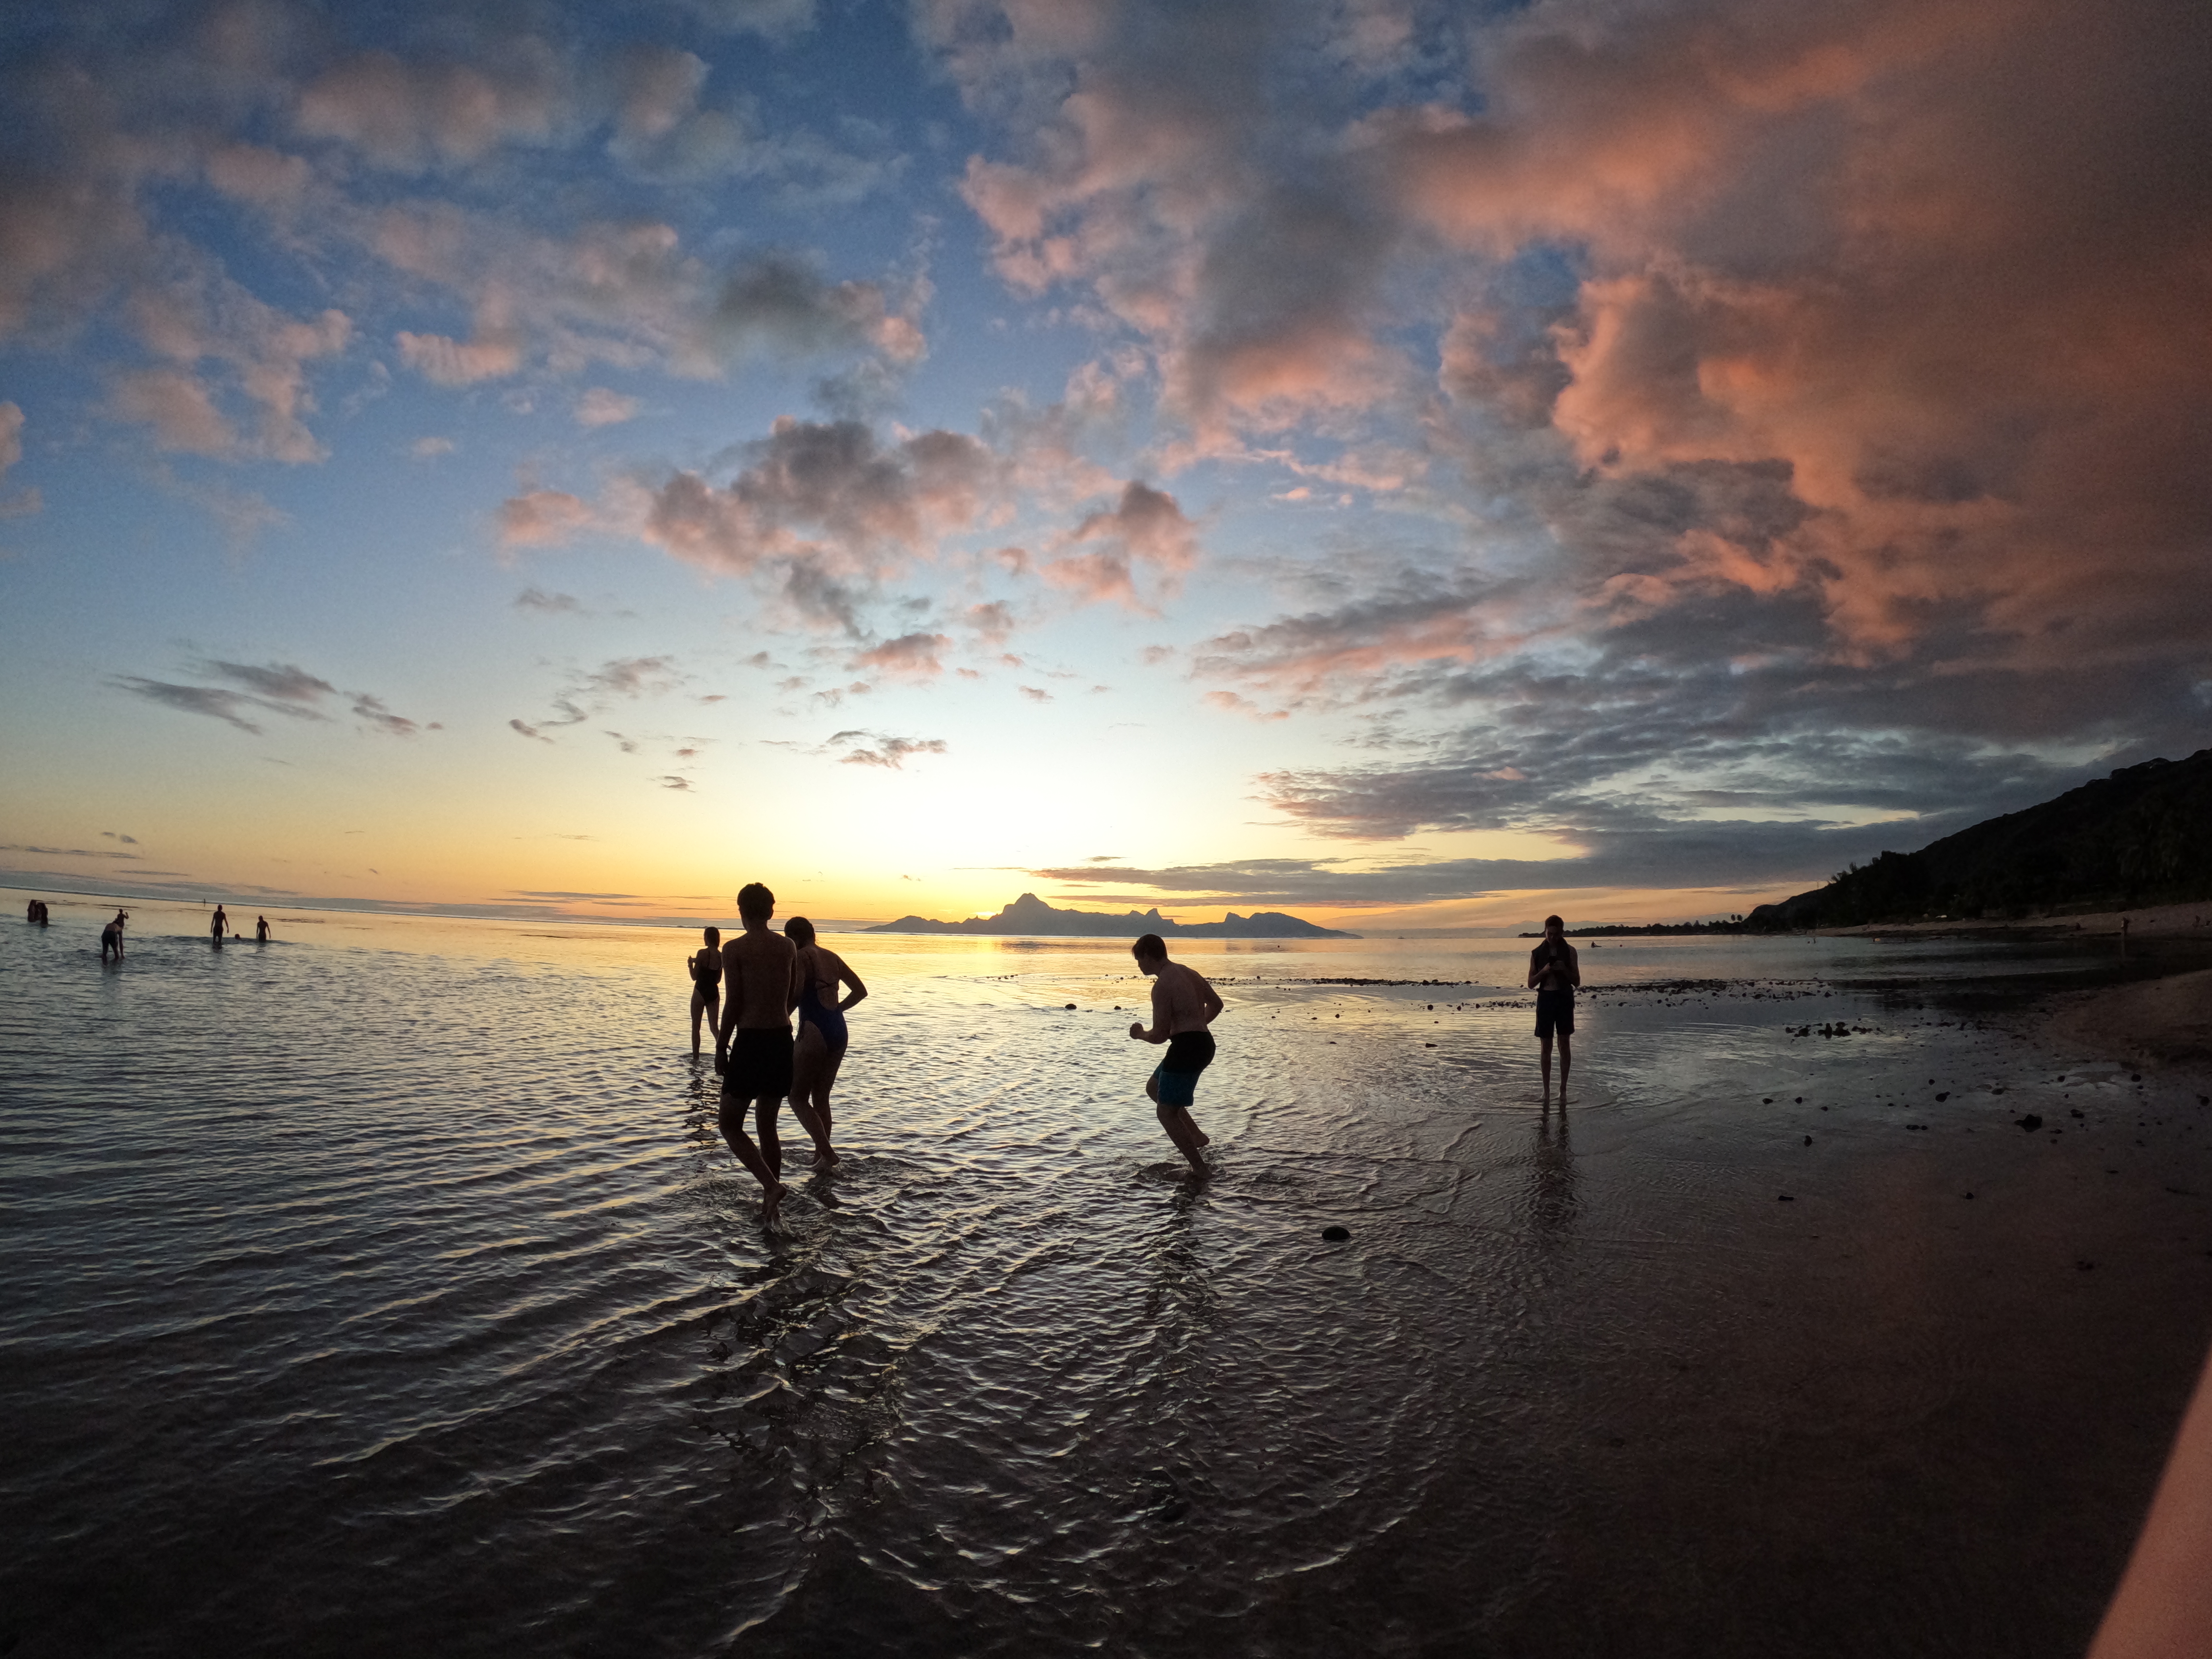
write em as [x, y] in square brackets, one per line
[1145, 530]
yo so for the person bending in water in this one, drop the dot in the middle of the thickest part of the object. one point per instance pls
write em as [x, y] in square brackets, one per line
[753, 1047]
[1555, 970]
[1184, 1005]
[706, 970]
[821, 1034]
[111, 937]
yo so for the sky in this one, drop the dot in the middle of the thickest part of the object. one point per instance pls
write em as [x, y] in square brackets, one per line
[1407, 465]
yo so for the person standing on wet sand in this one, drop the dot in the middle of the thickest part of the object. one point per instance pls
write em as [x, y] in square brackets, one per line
[1555, 971]
[705, 970]
[753, 1049]
[111, 937]
[821, 1034]
[1184, 1005]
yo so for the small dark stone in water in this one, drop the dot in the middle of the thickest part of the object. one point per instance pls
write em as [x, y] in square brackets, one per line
[1071, 1005]
[1767, 1101]
[2031, 1122]
[1801, 1100]
[2136, 1077]
[1965, 1194]
[1946, 1095]
[1808, 1140]
[1783, 1198]
[1337, 1234]
[2083, 1267]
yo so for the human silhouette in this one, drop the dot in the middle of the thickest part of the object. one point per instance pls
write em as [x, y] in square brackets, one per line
[753, 1049]
[111, 937]
[1555, 971]
[705, 967]
[1184, 1005]
[220, 924]
[821, 1034]
[261, 930]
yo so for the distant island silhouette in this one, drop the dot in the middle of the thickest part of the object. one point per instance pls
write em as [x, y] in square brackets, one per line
[1031, 914]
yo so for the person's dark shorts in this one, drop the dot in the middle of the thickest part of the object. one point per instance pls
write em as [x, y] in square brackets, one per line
[1189, 1054]
[1555, 1011]
[760, 1066]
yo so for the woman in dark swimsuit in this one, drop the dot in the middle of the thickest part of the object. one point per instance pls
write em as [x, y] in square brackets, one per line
[821, 1034]
[706, 968]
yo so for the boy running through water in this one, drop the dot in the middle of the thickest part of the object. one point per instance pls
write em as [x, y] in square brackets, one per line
[1554, 970]
[1184, 1005]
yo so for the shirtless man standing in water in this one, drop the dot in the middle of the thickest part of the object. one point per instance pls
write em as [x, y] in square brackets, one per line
[752, 1048]
[1184, 1005]
[1555, 971]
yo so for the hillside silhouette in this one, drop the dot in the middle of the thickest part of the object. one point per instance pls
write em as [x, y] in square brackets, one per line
[2141, 835]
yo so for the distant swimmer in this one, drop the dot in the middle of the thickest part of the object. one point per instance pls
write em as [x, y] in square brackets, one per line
[822, 1035]
[753, 1049]
[111, 937]
[221, 923]
[1555, 971]
[705, 967]
[36, 916]
[1184, 1005]
[261, 930]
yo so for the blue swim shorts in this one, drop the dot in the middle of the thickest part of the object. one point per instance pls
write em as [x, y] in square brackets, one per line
[1189, 1054]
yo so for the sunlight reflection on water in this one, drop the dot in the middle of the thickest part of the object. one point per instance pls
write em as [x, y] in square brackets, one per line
[389, 1289]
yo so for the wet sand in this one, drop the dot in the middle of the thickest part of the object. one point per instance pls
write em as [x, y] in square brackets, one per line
[2164, 1022]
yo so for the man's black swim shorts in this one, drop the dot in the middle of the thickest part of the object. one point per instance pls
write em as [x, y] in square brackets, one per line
[1555, 1011]
[760, 1065]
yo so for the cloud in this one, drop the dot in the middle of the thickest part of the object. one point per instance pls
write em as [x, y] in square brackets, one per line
[211, 700]
[534, 601]
[672, 781]
[410, 116]
[885, 751]
[526, 729]
[543, 518]
[600, 407]
[285, 682]
[380, 719]
[70, 852]
[428, 449]
[1102, 556]
[491, 356]
[1034, 693]
[776, 302]
[15, 503]
[912, 656]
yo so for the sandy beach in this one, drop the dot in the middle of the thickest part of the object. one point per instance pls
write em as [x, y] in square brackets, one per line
[2164, 1022]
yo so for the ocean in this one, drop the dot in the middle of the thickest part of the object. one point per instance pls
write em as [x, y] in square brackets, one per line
[387, 1289]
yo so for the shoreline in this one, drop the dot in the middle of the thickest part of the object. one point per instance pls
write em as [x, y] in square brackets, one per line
[2147, 923]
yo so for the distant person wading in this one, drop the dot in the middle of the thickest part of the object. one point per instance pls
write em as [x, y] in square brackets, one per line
[705, 967]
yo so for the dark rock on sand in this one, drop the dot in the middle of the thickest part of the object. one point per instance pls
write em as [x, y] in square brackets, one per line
[2031, 1122]
[1337, 1234]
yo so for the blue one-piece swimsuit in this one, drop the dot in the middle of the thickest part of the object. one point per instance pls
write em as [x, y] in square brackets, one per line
[829, 1020]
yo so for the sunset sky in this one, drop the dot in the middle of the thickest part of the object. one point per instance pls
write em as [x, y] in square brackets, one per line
[1402, 463]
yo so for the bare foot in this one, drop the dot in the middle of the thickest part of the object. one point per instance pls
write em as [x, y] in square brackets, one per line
[772, 1205]
[823, 1157]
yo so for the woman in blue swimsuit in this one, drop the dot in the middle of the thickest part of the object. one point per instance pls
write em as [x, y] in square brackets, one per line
[821, 1034]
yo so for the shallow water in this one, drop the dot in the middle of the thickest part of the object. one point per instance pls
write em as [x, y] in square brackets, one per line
[388, 1289]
